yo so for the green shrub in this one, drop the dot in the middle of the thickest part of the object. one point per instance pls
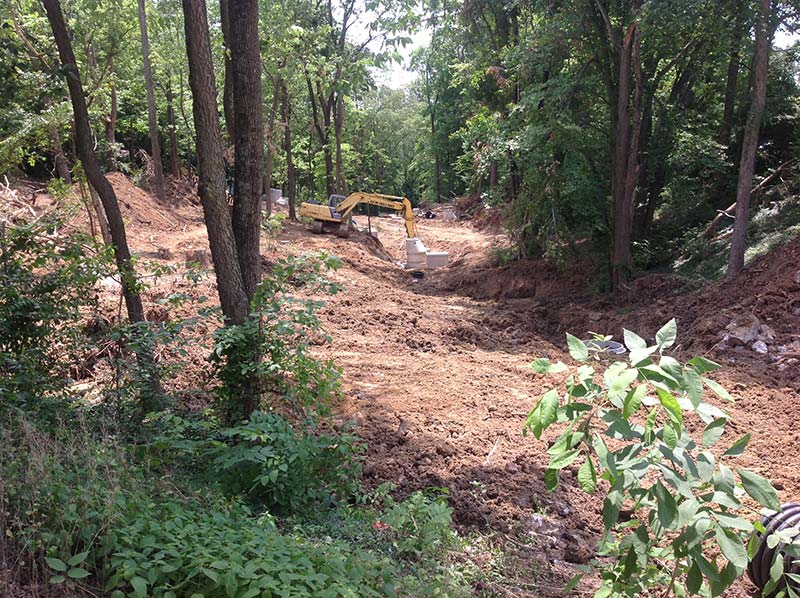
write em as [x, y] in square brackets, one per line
[419, 526]
[46, 280]
[172, 548]
[273, 345]
[281, 469]
[265, 460]
[670, 506]
[77, 507]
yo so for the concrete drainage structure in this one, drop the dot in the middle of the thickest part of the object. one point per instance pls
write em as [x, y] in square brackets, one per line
[418, 257]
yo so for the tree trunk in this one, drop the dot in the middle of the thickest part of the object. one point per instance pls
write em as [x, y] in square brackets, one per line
[338, 125]
[102, 221]
[249, 154]
[725, 127]
[291, 183]
[750, 143]
[276, 95]
[152, 116]
[95, 177]
[437, 174]
[621, 260]
[321, 124]
[210, 166]
[111, 119]
[59, 159]
[227, 89]
[174, 159]
[330, 185]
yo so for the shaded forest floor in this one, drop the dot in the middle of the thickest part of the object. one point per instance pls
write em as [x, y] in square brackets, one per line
[436, 372]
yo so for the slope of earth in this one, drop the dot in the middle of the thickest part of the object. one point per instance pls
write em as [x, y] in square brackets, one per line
[436, 372]
[437, 378]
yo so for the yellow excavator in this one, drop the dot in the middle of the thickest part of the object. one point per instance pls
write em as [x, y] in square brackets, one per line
[336, 215]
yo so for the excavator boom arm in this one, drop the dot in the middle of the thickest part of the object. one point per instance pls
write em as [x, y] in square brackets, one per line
[393, 202]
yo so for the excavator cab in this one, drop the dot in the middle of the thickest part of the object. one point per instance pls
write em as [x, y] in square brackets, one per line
[333, 204]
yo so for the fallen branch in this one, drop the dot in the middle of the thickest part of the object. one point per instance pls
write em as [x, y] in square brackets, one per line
[728, 212]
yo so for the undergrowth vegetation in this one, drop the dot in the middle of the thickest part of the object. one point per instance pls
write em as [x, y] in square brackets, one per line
[191, 503]
[675, 516]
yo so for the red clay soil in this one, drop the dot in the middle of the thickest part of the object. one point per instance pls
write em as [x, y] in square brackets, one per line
[436, 372]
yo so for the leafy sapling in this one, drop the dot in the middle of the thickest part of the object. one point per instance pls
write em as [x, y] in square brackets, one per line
[643, 435]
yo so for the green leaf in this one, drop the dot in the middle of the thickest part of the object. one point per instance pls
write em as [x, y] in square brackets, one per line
[622, 381]
[729, 521]
[759, 489]
[634, 400]
[671, 405]
[703, 365]
[732, 547]
[670, 436]
[637, 356]
[549, 408]
[611, 507]
[694, 579]
[671, 366]
[666, 336]
[694, 386]
[78, 573]
[551, 479]
[714, 431]
[564, 459]
[705, 465]
[718, 390]
[587, 476]
[139, 585]
[667, 507]
[57, 579]
[738, 447]
[573, 583]
[633, 341]
[776, 573]
[534, 421]
[77, 559]
[56, 564]
[543, 366]
[577, 349]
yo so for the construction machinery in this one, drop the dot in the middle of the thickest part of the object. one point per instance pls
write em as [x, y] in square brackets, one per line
[336, 215]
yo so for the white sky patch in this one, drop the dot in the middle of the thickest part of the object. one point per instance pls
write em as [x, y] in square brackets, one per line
[784, 39]
[394, 75]
[399, 75]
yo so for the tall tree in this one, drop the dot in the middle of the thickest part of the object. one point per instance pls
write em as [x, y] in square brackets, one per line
[222, 232]
[731, 80]
[174, 159]
[210, 166]
[85, 148]
[750, 142]
[291, 179]
[249, 148]
[152, 115]
[227, 90]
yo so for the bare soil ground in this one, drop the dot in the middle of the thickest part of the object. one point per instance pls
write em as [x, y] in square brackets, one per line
[436, 372]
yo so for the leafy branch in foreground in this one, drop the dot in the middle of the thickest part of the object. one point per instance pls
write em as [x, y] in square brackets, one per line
[672, 505]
